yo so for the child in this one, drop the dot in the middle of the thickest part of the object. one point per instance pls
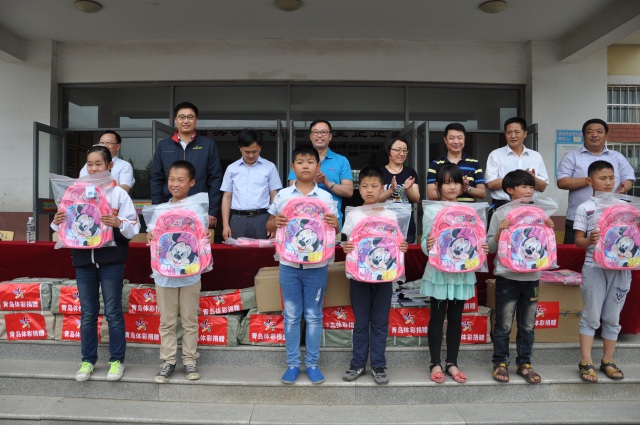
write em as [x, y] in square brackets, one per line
[103, 268]
[516, 293]
[370, 302]
[603, 291]
[448, 291]
[178, 295]
[303, 285]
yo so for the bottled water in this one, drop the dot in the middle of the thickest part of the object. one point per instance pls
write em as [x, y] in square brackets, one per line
[31, 231]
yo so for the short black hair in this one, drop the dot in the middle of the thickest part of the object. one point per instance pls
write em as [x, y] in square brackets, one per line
[516, 120]
[457, 127]
[394, 137]
[320, 121]
[597, 166]
[595, 121]
[185, 105]
[248, 137]
[106, 153]
[372, 172]
[451, 171]
[305, 150]
[185, 165]
[117, 136]
[517, 178]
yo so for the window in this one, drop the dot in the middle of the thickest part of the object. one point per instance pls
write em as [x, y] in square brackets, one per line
[631, 151]
[623, 104]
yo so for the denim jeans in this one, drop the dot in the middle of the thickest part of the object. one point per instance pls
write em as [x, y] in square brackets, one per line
[90, 279]
[519, 299]
[371, 303]
[303, 293]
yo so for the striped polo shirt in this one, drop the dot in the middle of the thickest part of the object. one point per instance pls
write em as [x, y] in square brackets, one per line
[470, 168]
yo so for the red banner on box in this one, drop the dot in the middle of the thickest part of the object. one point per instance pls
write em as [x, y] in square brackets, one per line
[471, 305]
[220, 304]
[474, 329]
[547, 314]
[71, 327]
[267, 328]
[69, 302]
[143, 301]
[142, 328]
[338, 318]
[20, 296]
[25, 326]
[212, 330]
[408, 322]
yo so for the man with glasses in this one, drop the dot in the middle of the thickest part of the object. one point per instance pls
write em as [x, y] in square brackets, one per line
[201, 151]
[122, 171]
[335, 171]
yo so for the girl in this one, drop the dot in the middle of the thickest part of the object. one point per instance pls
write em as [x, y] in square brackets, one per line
[103, 268]
[448, 291]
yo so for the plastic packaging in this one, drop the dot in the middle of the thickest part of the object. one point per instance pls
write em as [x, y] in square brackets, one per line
[251, 243]
[617, 218]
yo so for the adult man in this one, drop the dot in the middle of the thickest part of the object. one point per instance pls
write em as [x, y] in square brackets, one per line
[249, 186]
[186, 144]
[514, 156]
[572, 170]
[122, 171]
[335, 171]
[454, 139]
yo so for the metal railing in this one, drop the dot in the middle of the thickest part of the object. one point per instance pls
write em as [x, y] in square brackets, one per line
[631, 151]
[623, 104]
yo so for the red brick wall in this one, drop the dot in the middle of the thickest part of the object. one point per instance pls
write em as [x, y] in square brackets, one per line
[624, 133]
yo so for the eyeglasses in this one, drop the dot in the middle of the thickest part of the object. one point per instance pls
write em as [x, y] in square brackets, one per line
[397, 150]
[320, 132]
[107, 143]
[186, 117]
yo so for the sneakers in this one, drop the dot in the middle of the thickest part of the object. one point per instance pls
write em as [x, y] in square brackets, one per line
[291, 375]
[115, 371]
[86, 369]
[191, 372]
[380, 375]
[314, 374]
[166, 370]
[353, 373]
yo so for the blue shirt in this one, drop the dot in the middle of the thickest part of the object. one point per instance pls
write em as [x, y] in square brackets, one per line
[576, 163]
[251, 184]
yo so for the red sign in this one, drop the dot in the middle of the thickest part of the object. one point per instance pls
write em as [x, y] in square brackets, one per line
[212, 330]
[220, 304]
[267, 328]
[547, 314]
[20, 296]
[69, 302]
[25, 326]
[474, 329]
[338, 318]
[71, 327]
[471, 305]
[143, 301]
[408, 322]
[142, 328]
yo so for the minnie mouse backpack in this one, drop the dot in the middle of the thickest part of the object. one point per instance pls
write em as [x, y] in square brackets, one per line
[459, 233]
[619, 245]
[180, 245]
[306, 239]
[377, 256]
[83, 204]
[528, 245]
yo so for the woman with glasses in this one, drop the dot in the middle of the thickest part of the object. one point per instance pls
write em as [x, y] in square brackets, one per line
[400, 181]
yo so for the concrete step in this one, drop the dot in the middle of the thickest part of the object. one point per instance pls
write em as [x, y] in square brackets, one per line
[259, 385]
[25, 410]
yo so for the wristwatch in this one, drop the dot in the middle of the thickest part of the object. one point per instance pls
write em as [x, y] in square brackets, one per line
[469, 189]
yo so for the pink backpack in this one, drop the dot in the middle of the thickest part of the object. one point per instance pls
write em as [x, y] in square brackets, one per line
[83, 204]
[180, 245]
[459, 234]
[377, 256]
[619, 245]
[528, 245]
[306, 239]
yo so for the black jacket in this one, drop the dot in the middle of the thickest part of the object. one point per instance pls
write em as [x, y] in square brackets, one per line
[106, 255]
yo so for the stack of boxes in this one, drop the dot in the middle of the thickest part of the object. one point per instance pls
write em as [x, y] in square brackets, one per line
[141, 314]
[24, 309]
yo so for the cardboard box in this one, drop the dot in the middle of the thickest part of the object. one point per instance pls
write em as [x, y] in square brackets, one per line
[559, 312]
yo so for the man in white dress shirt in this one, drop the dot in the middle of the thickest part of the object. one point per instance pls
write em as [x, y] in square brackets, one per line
[122, 171]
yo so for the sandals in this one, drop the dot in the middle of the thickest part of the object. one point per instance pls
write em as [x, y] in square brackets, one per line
[588, 370]
[501, 372]
[609, 369]
[437, 377]
[528, 374]
[459, 377]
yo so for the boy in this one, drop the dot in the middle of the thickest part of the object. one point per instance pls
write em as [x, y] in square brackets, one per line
[178, 295]
[303, 285]
[370, 302]
[603, 291]
[514, 291]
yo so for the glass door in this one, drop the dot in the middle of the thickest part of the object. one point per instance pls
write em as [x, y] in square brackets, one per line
[281, 139]
[160, 132]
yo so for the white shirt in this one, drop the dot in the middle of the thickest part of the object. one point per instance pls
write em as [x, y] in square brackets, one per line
[585, 221]
[122, 172]
[251, 184]
[503, 160]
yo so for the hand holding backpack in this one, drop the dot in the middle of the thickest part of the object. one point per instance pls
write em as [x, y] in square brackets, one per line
[618, 219]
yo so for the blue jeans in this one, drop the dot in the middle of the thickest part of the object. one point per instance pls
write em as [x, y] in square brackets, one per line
[303, 292]
[519, 299]
[90, 279]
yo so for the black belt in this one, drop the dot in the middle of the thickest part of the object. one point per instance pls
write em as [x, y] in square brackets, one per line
[250, 213]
